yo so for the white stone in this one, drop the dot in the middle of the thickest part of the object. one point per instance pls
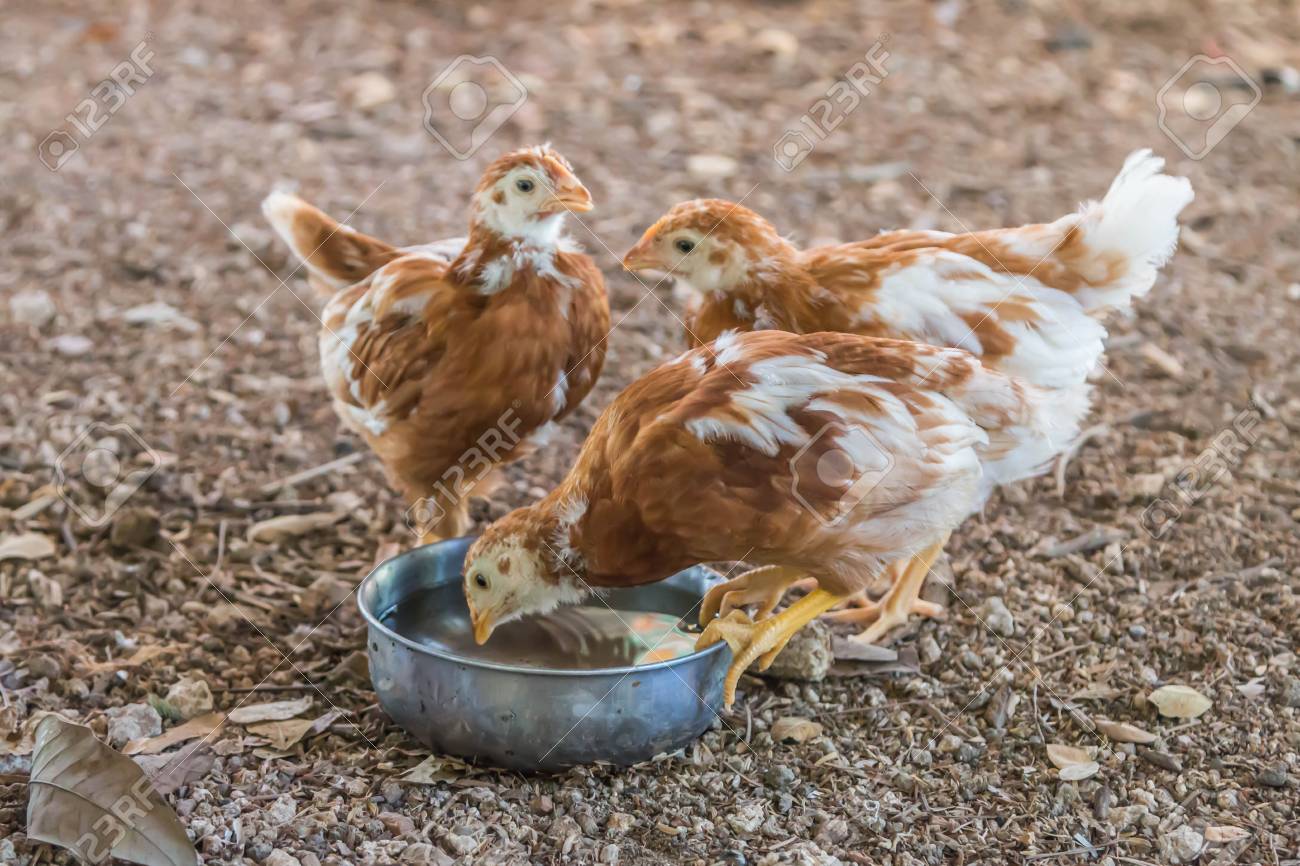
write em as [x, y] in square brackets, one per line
[33, 307]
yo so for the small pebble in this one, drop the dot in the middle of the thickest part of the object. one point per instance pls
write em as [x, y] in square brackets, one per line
[1273, 777]
[1181, 845]
[998, 618]
[132, 722]
[1290, 696]
[778, 777]
[281, 858]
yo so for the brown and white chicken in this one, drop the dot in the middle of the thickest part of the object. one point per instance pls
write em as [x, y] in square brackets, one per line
[453, 358]
[1027, 301]
[829, 456]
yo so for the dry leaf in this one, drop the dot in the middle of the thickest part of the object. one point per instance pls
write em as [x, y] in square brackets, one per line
[1079, 772]
[283, 734]
[141, 656]
[291, 525]
[1180, 702]
[1096, 692]
[795, 729]
[91, 800]
[199, 726]
[168, 772]
[1073, 764]
[855, 650]
[435, 769]
[1122, 732]
[1066, 756]
[28, 545]
[1225, 833]
[274, 711]
[26, 739]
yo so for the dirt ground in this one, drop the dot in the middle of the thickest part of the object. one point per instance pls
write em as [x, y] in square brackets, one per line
[134, 296]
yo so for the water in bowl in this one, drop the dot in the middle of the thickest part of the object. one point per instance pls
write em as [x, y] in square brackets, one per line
[580, 637]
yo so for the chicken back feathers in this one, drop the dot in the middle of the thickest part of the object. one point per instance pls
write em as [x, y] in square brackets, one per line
[461, 351]
[1026, 300]
[832, 453]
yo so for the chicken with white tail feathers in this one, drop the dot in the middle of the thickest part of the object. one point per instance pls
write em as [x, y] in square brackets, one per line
[1028, 301]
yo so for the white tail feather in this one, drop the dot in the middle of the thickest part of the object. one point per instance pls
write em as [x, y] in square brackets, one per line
[1138, 218]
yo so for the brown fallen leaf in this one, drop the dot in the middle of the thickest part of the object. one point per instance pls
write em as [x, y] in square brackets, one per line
[355, 666]
[1096, 692]
[274, 711]
[795, 729]
[26, 545]
[93, 801]
[282, 734]
[1179, 702]
[291, 525]
[143, 655]
[168, 772]
[199, 726]
[1223, 834]
[855, 650]
[23, 740]
[1122, 732]
[435, 769]
[1073, 764]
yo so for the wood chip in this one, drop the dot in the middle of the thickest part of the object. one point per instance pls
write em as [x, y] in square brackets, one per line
[1179, 702]
[26, 545]
[1223, 833]
[1073, 764]
[795, 729]
[1122, 732]
[270, 712]
[291, 525]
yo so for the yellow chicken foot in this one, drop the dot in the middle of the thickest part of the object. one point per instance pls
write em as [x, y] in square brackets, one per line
[766, 585]
[902, 598]
[861, 610]
[762, 641]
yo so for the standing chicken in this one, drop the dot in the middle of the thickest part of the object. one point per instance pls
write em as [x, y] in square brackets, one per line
[757, 448]
[1026, 300]
[453, 358]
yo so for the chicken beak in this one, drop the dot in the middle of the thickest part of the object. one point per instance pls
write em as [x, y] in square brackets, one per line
[574, 198]
[641, 257]
[484, 624]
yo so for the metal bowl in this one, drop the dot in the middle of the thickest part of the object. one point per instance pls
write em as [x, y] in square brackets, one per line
[530, 718]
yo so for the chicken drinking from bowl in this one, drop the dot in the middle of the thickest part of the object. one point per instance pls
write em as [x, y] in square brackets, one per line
[454, 358]
[829, 456]
[1028, 301]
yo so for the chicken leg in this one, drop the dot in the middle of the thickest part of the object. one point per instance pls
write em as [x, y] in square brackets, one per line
[762, 641]
[766, 584]
[901, 599]
[861, 610]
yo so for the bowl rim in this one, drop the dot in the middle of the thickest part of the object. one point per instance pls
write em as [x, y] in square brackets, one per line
[373, 621]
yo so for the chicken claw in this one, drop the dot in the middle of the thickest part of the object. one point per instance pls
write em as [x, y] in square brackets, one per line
[902, 598]
[766, 585]
[764, 640]
[863, 611]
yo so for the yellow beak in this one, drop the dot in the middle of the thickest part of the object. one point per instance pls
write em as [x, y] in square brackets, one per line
[484, 624]
[641, 257]
[574, 198]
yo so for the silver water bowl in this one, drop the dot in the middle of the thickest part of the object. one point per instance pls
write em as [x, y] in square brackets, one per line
[536, 718]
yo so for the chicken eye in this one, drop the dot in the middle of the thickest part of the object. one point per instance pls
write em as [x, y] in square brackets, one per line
[684, 246]
[480, 580]
[524, 185]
